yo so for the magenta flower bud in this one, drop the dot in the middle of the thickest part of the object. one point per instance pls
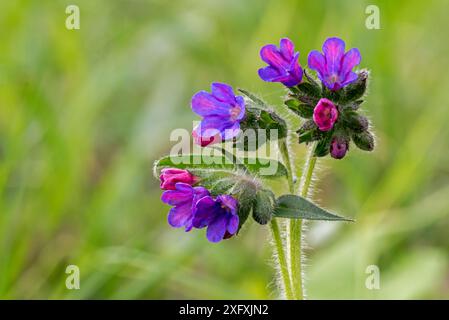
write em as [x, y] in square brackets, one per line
[339, 147]
[325, 114]
[170, 176]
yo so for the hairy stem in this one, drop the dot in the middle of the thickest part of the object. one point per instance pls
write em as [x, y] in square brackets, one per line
[282, 261]
[296, 226]
[283, 149]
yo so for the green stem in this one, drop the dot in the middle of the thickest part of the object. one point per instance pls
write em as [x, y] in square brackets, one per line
[279, 244]
[282, 261]
[283, 149]
[296, 226]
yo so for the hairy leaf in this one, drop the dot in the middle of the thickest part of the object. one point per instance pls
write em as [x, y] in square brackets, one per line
[296, 207]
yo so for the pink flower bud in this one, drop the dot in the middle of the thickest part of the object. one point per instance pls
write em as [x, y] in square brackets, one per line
[325, 114]
[170, 176]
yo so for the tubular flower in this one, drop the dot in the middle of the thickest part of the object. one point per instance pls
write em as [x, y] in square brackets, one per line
[170, 176]
[184, 199]
[282, 63]
[219, 215]
[222, 113]
[325, 114]
[334, 66]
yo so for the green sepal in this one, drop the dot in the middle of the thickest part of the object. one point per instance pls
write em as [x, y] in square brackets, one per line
[355, 121]
[263, 206]
[245, 191]
[259, 119]
[296, 207]
[323, 146]
[357, 89]
[301, 109]
[309, 89]
[307, 126]
[364, 140]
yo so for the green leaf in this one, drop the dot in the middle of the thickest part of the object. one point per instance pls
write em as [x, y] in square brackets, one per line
[296, 207]
[202, 165]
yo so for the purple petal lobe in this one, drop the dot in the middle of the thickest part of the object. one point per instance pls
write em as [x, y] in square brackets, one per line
[233, 224]
[204, 104]
[317, 62]
[180, 215]
[204, 212]
[350, 77]
[333, 49]
[216, 229]
[351, 59]
[287, 48]
[223, 92]
[272, 56]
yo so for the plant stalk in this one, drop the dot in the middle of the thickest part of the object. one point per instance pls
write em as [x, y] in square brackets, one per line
[296, 226]
[282, 261]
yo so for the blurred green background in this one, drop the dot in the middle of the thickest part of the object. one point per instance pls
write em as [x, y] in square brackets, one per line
[84, 113]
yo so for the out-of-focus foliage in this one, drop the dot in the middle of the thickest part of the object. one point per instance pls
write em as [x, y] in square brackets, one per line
[83, 114]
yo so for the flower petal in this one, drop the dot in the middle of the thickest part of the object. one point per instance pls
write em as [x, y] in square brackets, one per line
[200, 192]
[241, 104]
[216, 125]
[231, 132]
[182, 194]
[350, 60]
[233, 224]
[317, 62]
[216, 229]
[287, 48]
[228, 201]
[204, 212]
[180, 216]
[270, 54]
[205, 104]
[333, 49]
[350, 77]
[223, 92]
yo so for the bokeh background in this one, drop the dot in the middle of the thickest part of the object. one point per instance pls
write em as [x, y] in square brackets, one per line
[84, 113]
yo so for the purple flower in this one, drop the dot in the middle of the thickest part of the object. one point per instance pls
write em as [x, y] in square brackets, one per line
[170, 176]
[335, 66]
[219, 215]
[339, 147]
[222, 112]
[283, 63]
[184, 199]
[325, 114]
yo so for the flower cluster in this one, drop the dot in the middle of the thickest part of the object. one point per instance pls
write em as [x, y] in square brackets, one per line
[330, 110]
[194, 207]
[329, 105]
